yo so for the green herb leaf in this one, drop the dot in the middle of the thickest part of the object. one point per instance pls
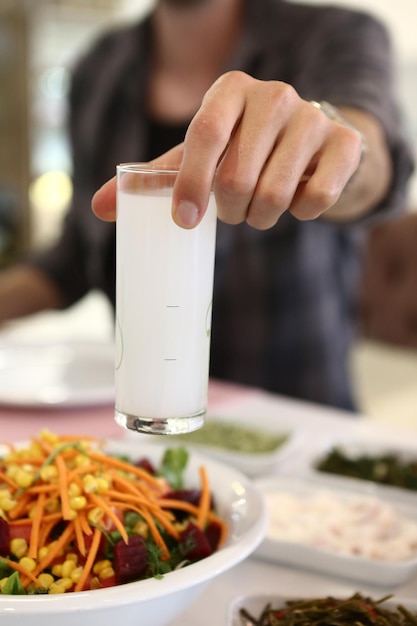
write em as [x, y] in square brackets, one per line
[13, 586]
[173, 465]
[5, 569]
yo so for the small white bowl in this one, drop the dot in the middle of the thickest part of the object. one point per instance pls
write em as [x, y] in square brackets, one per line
[155, 602]
[253, 464]
[354, 567]
[356, 447]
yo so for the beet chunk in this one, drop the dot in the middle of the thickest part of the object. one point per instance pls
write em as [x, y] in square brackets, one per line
[130, 560]
[4, 538]
[194, 543]
[192, 496]
[213, 534]
[146, 464]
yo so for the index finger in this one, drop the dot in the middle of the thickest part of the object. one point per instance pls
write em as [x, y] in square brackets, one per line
[206, 140]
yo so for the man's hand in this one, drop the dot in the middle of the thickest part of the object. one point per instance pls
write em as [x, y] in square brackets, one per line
[263, 150]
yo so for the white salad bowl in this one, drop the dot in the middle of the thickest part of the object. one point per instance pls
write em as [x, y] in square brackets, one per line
[155, 602]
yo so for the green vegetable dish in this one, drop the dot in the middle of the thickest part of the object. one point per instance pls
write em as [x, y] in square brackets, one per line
[231, 436]
[329, 611]
[385, 469]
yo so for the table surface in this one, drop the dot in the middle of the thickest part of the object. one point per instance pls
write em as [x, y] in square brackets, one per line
[253, 575]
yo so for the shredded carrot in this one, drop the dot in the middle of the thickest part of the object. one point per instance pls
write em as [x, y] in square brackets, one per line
[129, 497]
[34, 535]
[90, 560]
[45, 531]
[21, 569]
[60, 543]
[85, 526]
[204, 505]
[6, 479]
[102, 504]
[42, 488]
[36, 460]
[27, 521]
[79, 536]
[182, 505]
[63, 487]
[20, 508]
[127, 467]
[89, 468]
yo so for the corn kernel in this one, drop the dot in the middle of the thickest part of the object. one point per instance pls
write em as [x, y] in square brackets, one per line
[81, 459]
[106, 572]
[78, 502]
[66, 583]
[23, 478]
[54, 588]
[67, 568]
[57, 570]
[46, 435]
[51, 545]
[72, 556]
[49, 473]
[95, 515]
[90, 483]
[76, 574]
[53, 506]
[46, 580]
[101, 565]
[102, 485]
[7, 503]
[141, 528]
[74, 489]
[42, 552]
[28, 563]
[12, 469]
[95, 583]
[35, 450]
[18, 547]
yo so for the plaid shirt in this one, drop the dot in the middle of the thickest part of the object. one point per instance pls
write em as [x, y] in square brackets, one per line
[284, 304]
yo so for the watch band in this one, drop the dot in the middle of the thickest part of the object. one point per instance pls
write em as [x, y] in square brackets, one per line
[333, 113]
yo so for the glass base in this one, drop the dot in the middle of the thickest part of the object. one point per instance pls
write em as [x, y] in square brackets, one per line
[162, 425]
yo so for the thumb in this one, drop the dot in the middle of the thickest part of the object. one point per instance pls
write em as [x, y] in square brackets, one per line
[103, 202]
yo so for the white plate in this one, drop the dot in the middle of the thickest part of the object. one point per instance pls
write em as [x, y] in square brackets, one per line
[255, 603]
[45, 374]
[155, 602]
[332, 561]
[252, 464]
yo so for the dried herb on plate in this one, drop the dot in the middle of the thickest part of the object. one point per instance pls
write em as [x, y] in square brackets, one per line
[330, 611]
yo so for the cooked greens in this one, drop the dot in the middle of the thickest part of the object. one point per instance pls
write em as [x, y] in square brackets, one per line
[330, 611]
[387, 469]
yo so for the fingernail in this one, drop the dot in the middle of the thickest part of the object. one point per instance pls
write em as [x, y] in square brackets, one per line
[187, 214]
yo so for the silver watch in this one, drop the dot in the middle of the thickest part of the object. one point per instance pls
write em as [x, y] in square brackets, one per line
[333, 113]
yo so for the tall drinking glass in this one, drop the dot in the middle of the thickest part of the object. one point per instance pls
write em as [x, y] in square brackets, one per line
[164, 288]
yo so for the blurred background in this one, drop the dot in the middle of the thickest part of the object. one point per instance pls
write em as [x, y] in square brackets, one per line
[39, 42]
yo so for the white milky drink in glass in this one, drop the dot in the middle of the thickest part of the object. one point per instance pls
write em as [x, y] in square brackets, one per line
[164, 287]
